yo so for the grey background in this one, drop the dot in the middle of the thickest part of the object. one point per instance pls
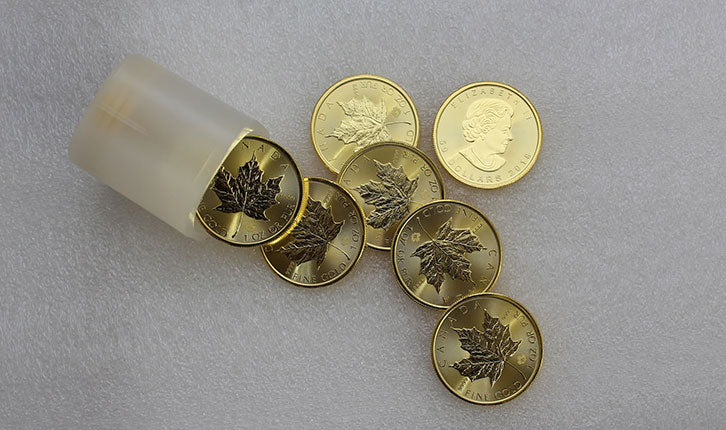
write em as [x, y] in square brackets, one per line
[614, 241]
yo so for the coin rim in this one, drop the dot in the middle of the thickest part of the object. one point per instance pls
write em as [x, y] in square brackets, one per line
[401, 283]
[340, 83]
[287, 227]
[516, 304]
[404, 146]
[355, 260]
[477, 184]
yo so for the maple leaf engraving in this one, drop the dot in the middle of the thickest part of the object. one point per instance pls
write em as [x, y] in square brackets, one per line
[488, 349]
[445, 254]
[313, 234]
[246, 193]
[391, 197]
[364, 123]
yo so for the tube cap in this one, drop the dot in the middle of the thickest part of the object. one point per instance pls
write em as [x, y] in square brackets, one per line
[158, 140]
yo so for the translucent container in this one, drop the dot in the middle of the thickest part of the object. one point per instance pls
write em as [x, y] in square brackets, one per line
[158, 140]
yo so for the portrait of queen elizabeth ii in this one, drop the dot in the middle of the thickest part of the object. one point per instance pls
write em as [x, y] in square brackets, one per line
[488, 129]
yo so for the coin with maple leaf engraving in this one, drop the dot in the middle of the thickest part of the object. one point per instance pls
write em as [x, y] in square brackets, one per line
[255, 195]
[326, 242]
[487, 348]
[487, 134]
[446, 250]
[389, 180]
[360, 111]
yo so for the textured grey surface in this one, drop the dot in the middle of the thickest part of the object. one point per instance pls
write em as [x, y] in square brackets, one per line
[615, 240]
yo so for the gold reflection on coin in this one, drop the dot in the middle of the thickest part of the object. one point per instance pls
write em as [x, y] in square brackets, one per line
[360, 111]
[487, 134]
[389, 180]
[487, 349]
[325, 243]
[446, 250]
[255, 196]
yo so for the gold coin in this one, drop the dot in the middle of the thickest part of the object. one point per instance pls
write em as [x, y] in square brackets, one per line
[487, 134]
[359, 111]
[255, 195]
[326, 242]
[487, 349]
[389, 180]
[446, 250]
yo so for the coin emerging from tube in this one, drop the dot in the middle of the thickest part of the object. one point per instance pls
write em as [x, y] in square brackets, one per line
[389, 180]
[487, 348]
[487, 134]
[446, 250]
[360, 111]
[255, 195]
[325, 243]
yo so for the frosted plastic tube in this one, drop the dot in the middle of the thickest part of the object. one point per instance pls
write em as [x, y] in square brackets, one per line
[158, 140]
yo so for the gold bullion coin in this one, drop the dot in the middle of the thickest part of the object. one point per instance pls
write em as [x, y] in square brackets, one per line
[255, 195]
[389, 180]
[487, 348]
[360, 111]
[446, 250]
[326, 242]
[487, 134]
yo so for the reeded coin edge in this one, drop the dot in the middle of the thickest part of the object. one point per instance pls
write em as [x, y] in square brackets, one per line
[298, 210]
[297, 220]
[403, 146]
[333, 87]
[402, 284]
[516, 304]
[477, 184]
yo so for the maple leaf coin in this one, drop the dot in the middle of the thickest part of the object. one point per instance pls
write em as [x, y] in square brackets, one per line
[364, 123]
[246, 193]
[487, 348]
[487, 134]
[313, 235]
[255, 195]
[457, 253]
[360, 111]
[325, 243]
[445, 253]
[389, 180]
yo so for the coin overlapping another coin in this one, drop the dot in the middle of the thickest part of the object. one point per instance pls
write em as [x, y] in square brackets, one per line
[359, 111]
[327, 241]
[257, 204]
[389, 180]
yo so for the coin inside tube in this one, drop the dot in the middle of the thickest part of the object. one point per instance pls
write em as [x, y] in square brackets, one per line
[255, 195]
